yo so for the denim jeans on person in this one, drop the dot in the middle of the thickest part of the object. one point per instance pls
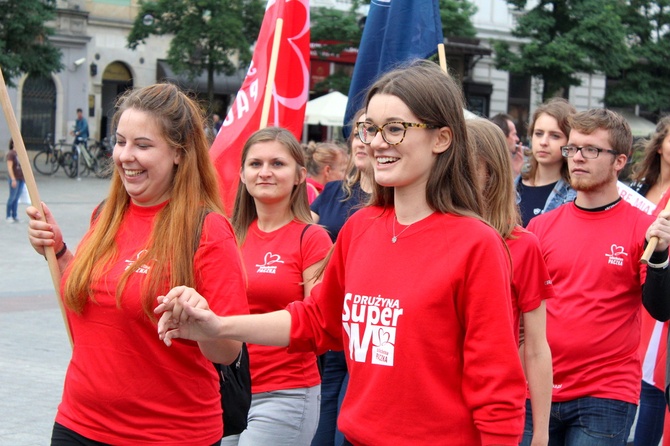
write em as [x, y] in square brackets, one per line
[13, 200]
[333, 387]
[651, 416]
[590, 421]
[280, 418]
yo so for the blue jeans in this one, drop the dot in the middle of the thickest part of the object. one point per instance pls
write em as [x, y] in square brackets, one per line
[528, 427]
[649, 428]
[13, 200]
[333, 387]
[590, 421]
[280, 418]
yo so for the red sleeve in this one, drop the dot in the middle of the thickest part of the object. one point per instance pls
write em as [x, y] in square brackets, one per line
[531, 280]
[315, 244]
[220, 277]
[316, 322]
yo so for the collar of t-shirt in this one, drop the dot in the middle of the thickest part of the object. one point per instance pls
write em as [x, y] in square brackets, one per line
[601, 208]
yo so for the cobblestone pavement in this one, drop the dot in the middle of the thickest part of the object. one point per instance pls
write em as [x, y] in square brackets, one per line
[34, 348]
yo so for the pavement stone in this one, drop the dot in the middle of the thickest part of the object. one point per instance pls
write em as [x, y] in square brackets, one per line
[34, 348]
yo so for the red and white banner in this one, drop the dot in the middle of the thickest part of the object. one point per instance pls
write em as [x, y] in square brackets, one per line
[635, 199]
[289, 93]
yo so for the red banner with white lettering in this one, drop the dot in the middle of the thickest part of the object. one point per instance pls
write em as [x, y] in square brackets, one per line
[289, 93]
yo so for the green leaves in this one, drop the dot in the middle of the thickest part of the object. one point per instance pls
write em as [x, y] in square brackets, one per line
[24, 39]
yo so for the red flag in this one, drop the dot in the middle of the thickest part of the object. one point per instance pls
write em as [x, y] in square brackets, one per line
[289, 94]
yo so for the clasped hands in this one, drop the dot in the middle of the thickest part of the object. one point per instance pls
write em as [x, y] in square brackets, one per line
[185, 315]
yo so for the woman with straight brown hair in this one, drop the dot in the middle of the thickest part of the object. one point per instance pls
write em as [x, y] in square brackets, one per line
[160, 226]
[281, 251]
[531, 284]
[416, 292]
[546, 184]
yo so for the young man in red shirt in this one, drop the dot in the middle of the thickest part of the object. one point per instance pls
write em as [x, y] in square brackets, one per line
[592, 248]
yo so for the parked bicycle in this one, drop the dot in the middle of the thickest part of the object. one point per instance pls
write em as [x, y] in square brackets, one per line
[93, 157]
[53, 156]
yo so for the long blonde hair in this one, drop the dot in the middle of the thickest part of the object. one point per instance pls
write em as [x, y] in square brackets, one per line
[244, 212]
[488, 142]
[172, 239]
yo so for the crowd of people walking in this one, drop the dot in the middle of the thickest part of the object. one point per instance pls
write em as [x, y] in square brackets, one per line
[424, 285]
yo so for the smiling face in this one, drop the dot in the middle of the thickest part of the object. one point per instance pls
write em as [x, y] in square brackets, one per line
[593, 175]
[547, 140]
[409, 163]
[270, 173]
[143, 158]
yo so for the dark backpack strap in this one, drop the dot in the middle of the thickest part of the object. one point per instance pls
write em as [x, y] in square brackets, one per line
[302, 234]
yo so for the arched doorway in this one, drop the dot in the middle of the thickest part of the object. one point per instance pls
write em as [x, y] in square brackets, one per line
[115, 80]
[38, 111]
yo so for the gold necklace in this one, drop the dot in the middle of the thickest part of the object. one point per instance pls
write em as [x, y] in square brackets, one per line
[395, 237]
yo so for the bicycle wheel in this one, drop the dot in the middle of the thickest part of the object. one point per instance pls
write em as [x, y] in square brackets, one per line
[103, 165]
[45, 162]
[69, 164]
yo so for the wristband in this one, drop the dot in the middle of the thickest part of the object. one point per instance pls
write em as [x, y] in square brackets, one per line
[60, 253]
[659, 265]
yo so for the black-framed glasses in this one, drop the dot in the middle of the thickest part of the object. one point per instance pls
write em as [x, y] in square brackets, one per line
[392, 132]
[588, 152]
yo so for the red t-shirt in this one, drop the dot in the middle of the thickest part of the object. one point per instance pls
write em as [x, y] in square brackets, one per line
[531, 283]
[654, 337]
[426, 327]
[274, 262]
[593, 324]
[123, 383]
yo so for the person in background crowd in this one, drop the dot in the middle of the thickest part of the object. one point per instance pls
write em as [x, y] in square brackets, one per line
[430, 350]
[592, 248]
[16, 184]
[121, 385]
[531, 284]
[338, 201]
[80, 131]
[651, 178]
[281, 251]
[325, 162]
[216, 123]
[546, 185]
[506, 124]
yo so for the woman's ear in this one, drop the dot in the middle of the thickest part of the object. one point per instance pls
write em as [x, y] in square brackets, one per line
[302, 176]
[444, 139]
[242, 175]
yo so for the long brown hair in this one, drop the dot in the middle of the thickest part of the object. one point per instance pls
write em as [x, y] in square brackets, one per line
[245, 211]
[649, 167]
[435, 99]
[559, 109]
[172, 238]
[353, 175]
[490, 146]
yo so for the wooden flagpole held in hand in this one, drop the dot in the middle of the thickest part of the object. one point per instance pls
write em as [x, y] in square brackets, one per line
[272, 70]
[24, 160]
[651, 246]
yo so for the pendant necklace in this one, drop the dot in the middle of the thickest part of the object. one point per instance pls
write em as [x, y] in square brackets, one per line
[395, 237]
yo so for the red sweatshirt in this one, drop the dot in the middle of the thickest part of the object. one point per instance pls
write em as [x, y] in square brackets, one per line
[426, 328]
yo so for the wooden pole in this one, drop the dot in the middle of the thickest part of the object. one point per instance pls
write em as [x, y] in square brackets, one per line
[24, 160]
[272, 70]
[651, 246]
[443, 57]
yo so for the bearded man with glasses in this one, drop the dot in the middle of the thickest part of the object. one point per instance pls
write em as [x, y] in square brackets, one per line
[592, 248]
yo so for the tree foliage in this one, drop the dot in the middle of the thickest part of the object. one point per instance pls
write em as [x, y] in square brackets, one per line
[456, 16]
[563, 38]
[24, 39]
[644, 81]
[214, 36]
